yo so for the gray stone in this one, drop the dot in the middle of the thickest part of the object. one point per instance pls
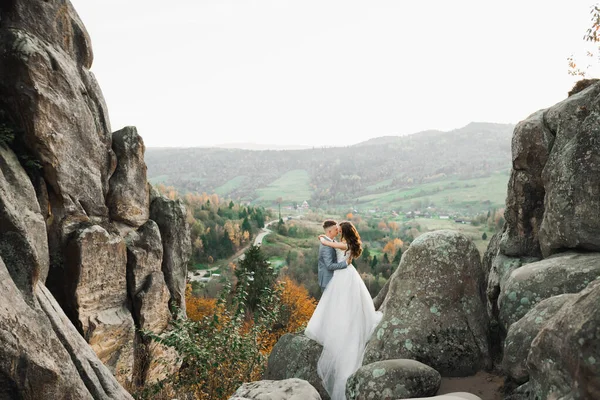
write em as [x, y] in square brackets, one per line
[393, 379]
[528, 285]
[531, 145]
[43, 354]
[170, 216]
[564, 361]
[296, 356]
[128, 199]
[95, 296]
[23, 239]
[289, 389]
[434, 311]
[144, 278]
[47, 87]
[521, 334]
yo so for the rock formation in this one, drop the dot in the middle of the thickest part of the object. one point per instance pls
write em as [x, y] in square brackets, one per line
[296, 356]
[434, 311]
[288, 389]
[550, 246]
[85, 268]
[393, 379]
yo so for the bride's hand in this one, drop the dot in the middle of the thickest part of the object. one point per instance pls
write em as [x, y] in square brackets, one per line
[322, 237]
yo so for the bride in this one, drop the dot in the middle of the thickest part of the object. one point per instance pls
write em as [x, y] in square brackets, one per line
[344, 318]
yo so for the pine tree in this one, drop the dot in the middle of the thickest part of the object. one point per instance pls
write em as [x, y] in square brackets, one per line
[258, 273]
[484, 236]
[386, 259]
[374, 262]
[231, 204]
[246, 225]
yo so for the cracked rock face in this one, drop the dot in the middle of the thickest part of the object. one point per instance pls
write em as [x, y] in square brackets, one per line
[74, 221]
[550, 245]
[434, 311]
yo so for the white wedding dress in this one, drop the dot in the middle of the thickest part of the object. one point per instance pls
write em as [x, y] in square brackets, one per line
[342, 323]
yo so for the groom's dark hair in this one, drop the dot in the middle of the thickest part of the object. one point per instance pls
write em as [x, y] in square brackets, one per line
[329, 223]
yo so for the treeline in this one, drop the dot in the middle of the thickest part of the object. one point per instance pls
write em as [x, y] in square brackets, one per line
[219, 227]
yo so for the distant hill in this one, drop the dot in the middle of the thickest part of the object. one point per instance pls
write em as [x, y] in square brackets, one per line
[391, 171]
[260, 146]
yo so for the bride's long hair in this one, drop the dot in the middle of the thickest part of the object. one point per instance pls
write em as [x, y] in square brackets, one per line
[352, 238]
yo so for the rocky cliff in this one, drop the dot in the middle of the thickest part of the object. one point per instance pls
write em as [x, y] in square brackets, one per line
[88, 256]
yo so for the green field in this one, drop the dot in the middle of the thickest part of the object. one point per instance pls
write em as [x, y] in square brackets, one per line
[293, 186]
[230, 185]
[449, 194]
[474, 232]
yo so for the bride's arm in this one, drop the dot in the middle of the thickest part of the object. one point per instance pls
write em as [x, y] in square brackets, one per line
[335, 245]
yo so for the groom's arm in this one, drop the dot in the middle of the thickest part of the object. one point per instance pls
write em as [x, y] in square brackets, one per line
[328, 258]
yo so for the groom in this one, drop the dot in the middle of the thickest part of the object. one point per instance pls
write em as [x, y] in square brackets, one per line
[327, 257]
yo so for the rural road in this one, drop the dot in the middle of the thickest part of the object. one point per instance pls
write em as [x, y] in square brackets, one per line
[240, 254]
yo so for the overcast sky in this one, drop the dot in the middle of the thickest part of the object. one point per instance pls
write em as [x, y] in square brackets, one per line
[327, 72]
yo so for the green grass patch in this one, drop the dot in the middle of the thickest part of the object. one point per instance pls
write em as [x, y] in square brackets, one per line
[450, 194]
[380, 185]
[293, 186]
[230, 185]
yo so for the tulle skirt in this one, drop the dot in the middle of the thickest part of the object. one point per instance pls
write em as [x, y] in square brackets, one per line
[342, 323]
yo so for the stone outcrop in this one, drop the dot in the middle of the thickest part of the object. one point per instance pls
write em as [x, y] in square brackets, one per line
[296, 356]
[23, 239]
[170, 215]
[288, 389]
[521, 334]
[564, 357]
[43, 353]
[549, 246]
[532, 283]
[393, 379]
[434, 311]
[128, 196]
[74, 222]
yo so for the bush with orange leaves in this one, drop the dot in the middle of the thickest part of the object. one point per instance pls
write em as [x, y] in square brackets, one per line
[223, 349]
[198, 307]
[296, 309]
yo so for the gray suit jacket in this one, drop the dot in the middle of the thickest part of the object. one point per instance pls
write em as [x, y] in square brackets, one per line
[328, 264]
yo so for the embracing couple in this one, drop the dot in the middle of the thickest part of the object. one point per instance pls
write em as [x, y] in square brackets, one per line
[345, 316]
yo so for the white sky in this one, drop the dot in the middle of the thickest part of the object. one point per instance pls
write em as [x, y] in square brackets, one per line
[327, 72]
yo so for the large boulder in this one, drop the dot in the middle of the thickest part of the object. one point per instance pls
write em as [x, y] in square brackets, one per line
[434, 311]
[521, 334]
[128, 198]
[528, 285]
[531, 145]
[570, 176]
[296, 356]
[288, 389]
[170, 216]
[43, 354]
[564, 361]
[393, 379]
[23, 240]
